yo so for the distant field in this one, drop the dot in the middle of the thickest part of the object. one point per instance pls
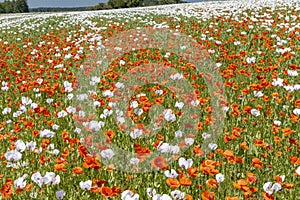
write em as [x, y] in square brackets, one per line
[189, 101]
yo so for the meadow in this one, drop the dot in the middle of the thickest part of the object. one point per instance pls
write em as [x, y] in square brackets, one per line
[189, 101]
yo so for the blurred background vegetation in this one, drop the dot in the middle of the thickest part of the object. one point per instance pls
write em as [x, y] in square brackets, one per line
[21, 6]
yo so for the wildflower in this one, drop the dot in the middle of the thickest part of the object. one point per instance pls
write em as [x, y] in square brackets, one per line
[134, 104]
[49, 100]
[251, 60]
[195, 103]
[68, 86]
[205, 135]
[95, 126]
[55, 152]
[46, 133]
[171, 173]
[271, 188]
[296, 111]
[159, 162]
[159, 92]
[178, 134]
[62, 114]
[120, 85]
[292, 73]
[85, 185]
[174, 149]
[71, 110]
[189, 141]
[258, 94]
[136, 133]
[26, 101]
[39, 81]
[179, 105]
[60, 194]
[163, 147]
[151, 192]
[185, 164]
[122, 62]
[277, 82]
[134, 161]
[82, 97]
[277, 123]
[212, 146]
[6, 111]
[37, 178]
[169, 116]
[20, 183]
[108, 154]
[161, 197]
[20, 146]
[298, 171]
[255, 112]
[219, 177]
[13, 155]
[70, 96]
[176, 76]
[108, 93]
[177, 195]
[129, 195]
[30, 145]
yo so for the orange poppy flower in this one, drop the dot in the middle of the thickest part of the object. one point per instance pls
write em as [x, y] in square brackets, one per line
[106, 191]
[173, 183]
[244, 145]
[90, 162]
[208, 195]
[232, 198]
[193, 172]
[257, 163]
[60, 167]
[159, 162]
[212, 183]
[109, 134]
[287, 131]
[6, 189]
[266, 196]
[183, 180]
[251, 178]
[77, 170]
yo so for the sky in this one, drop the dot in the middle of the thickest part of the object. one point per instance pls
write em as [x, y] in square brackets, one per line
[62, 3]
[66, 3]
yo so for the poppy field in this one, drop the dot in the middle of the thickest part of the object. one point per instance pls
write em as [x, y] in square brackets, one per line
[187, 101]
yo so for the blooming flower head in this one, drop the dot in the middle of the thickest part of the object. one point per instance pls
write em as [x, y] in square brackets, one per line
[13, 155]
[255, 112]
[220, 177]
[185, 164]
[271, 188]
[129, 195]
[60, 194]
[85, 185]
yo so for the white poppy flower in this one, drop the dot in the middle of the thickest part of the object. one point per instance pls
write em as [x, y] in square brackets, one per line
[13, 155]
[220, 177]
[108, 154]
[185, 164]
[85, 185]
[171, 174]
[20, 146]
[60, 194]
[255, 112]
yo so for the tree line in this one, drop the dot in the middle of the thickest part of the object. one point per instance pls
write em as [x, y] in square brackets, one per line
[115, 4]
[14, 6]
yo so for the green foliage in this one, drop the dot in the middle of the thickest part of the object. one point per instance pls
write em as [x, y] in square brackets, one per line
[115, 4]
[14, 6]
